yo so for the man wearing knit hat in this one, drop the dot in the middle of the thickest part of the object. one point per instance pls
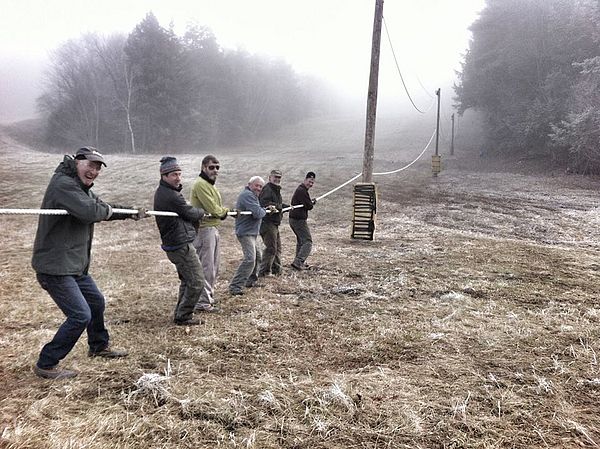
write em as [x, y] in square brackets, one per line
[177, 235]
[298, 221]
[207, 243]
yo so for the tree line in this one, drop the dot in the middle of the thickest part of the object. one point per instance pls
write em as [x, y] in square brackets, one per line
[533, 70]
[152, 90]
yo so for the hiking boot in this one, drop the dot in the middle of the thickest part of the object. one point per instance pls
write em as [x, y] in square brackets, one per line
[236, 292]
[254, 284]
[188, 322]
[298, 267]
[206, 308]
[109, 353]
[54, 372]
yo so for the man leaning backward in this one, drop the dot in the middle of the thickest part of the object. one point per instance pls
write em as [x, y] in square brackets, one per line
[177, 235]
[61, 259]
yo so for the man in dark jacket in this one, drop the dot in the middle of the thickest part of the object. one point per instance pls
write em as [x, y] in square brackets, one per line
[298, 221]
[177, 235]
[269, 228]
[61, 259]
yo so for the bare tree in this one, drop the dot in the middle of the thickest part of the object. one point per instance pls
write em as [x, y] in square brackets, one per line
[114, 61]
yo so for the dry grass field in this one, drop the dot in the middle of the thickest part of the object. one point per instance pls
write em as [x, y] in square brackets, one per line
[472, 320]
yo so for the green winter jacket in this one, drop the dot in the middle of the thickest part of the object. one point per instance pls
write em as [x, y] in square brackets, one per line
[63, 242]
[205, 196]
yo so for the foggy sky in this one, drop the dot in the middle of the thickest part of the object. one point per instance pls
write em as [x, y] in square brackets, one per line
[327, 38]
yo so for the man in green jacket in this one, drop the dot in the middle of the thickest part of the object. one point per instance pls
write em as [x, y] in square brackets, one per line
[61, 259]
[205, 196]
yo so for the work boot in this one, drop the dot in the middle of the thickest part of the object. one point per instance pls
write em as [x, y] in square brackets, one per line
[108, 353]
[54, 372]
[206, 308]
[188, 322]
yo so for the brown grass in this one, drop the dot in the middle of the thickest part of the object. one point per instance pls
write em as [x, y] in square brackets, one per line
[470, 322]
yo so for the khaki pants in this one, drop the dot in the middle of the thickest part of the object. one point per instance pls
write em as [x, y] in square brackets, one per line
[208, 249]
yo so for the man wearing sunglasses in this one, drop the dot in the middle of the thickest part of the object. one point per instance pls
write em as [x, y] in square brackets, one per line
[205, 196]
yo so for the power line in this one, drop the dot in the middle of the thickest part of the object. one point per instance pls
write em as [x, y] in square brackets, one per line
[398, 67]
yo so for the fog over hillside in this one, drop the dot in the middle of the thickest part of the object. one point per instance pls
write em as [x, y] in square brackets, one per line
[20, 85]
[329, 40]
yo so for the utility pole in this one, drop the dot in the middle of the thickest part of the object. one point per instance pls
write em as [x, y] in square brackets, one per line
[452, 141]
[372, 95]
[436, 159]
[437, 126]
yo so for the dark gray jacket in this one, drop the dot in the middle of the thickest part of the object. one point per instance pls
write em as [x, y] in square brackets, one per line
[63, 243]
[301, 196]
[271, 196]
[175, 231]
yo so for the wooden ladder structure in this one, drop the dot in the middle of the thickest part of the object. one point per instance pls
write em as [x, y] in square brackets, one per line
[365, 209]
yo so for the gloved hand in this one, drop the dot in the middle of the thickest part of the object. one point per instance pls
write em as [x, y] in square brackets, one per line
[272, 209]
[142, 213]
[313, 201]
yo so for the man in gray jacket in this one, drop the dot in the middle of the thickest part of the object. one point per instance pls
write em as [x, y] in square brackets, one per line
[61, 259]
[246, 231]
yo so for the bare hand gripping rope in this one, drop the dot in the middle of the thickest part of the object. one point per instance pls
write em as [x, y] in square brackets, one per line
[231, 214]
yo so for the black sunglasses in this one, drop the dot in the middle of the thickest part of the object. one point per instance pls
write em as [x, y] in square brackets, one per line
[214, 167]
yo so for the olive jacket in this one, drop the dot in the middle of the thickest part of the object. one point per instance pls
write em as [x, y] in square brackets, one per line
[63, 243]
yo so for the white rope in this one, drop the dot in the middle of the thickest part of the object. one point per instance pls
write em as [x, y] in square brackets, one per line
[338, 187]
[231, 214]
[406, 166]
[115, 211]
[298, 206]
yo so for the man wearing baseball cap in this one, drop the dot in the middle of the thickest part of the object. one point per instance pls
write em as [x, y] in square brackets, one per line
[61, 260]
[269, 228]
[302, 203]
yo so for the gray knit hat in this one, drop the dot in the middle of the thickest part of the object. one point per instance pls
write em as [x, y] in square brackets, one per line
[168, 164]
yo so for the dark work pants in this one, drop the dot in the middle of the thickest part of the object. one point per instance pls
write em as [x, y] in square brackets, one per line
[191, 276]
[303, 240]
[82, 303]
[271, 257]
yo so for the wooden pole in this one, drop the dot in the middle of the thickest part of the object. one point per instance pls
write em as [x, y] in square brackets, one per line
[437, 126]
[372, 95]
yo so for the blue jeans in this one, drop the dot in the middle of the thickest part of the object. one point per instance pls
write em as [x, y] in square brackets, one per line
[246, 272]
[82, 303]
